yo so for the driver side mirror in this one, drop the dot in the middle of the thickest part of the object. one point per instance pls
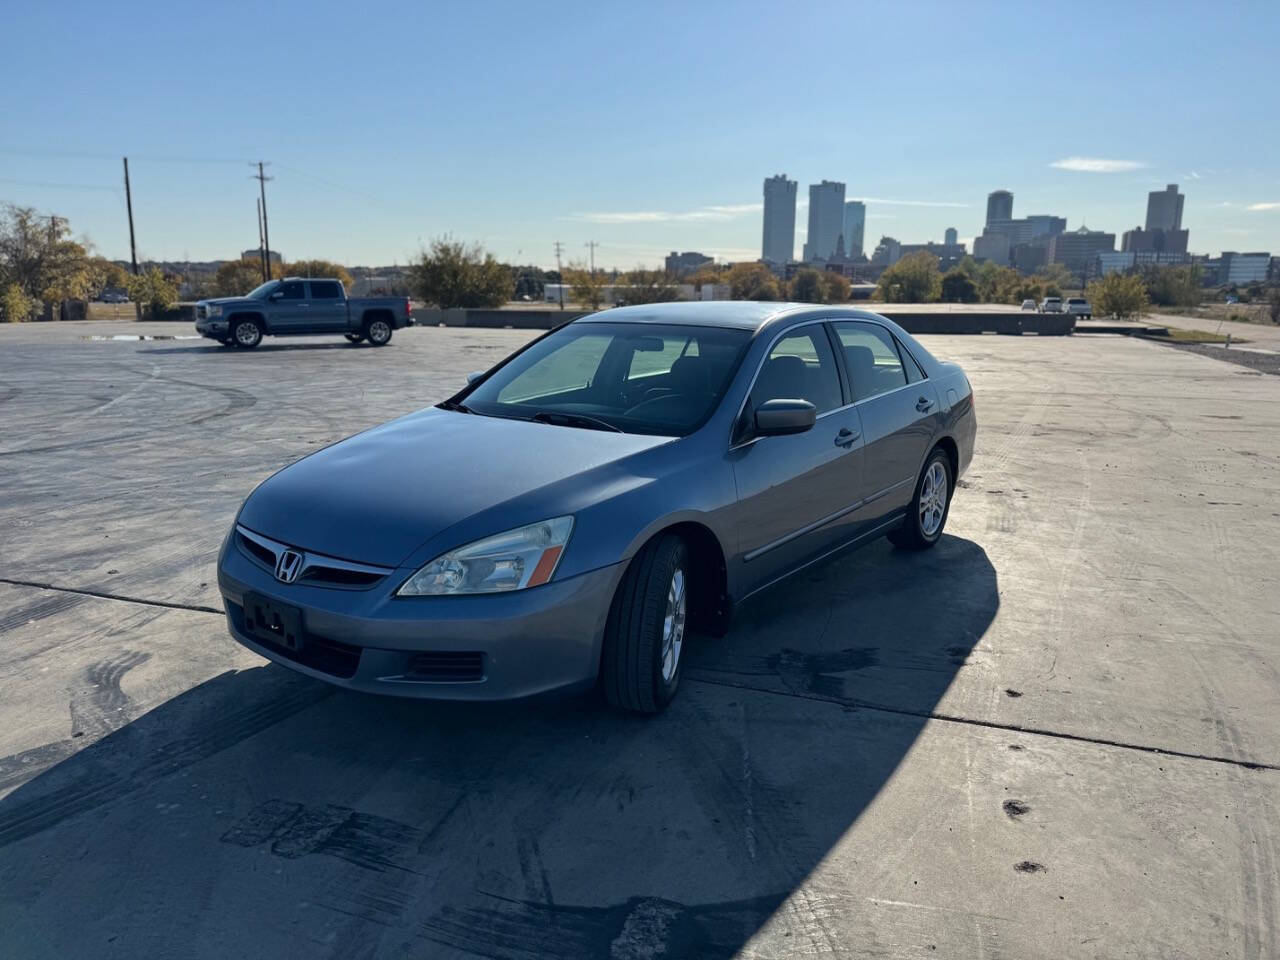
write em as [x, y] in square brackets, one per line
[275, 296]
[475, 375]
[777, 418]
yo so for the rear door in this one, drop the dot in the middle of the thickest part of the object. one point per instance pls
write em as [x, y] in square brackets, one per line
[328, 306]
[290, 309]
[899, 411]
[794, 492]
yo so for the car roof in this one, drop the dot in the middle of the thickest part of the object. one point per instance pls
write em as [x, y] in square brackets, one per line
[738, 314]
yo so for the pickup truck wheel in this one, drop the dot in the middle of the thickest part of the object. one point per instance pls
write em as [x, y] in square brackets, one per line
[247, 333]
[353, 337]
[377, 331]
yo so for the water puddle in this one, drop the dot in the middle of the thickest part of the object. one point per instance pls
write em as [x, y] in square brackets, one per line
[147, 336]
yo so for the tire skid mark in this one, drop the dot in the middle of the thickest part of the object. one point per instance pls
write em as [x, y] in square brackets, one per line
[108, 782]
[99, 705]
[38, 609]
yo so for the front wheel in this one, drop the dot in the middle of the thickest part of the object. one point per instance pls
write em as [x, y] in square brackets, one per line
[645, 634]
[377, 331]
[247, 333]
[922, 526]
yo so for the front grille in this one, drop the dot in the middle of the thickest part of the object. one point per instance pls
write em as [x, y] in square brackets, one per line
[256, 549]
[319, 653]
[325, 576]
[446, 667]
[202, 311]
[317, 570]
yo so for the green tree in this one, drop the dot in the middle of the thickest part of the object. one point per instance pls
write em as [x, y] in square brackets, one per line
[752, 281]
[39, 256]
[836, 287]
[1173, 286]
[318, 268]
[913, 279]
[153, 291]
[1056, 276]
[1273, 304]
[1118, 294]
[806, 286]
[454, 274]
[235, 278]
[16, 305]
[648, 286]
[708, 274]
[958, 287]
[586, 286]
[104, 274]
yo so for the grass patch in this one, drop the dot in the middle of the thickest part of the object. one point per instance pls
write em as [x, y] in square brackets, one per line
[1196, 336]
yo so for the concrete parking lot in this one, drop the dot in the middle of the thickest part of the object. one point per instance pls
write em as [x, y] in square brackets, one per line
[1056, 735]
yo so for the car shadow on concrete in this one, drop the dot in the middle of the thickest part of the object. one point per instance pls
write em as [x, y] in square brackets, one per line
[210, 346]
[262, 813]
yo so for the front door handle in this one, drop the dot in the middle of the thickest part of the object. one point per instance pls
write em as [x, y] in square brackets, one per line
[924, 404]
[846, 437]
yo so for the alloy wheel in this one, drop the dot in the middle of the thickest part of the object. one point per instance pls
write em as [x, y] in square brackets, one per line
[673, 625]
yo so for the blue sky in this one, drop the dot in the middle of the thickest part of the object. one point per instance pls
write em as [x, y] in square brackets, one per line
[645, 127]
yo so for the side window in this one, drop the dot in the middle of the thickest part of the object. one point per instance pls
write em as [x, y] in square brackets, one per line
[914, 373]
[325, 290]
[293, 290]
[800, 367]
[871, 358]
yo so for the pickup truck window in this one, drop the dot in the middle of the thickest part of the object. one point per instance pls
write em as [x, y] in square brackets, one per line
[326, 290]
[293, 290]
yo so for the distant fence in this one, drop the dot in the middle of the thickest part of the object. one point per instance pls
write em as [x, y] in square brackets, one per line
[1044, 324]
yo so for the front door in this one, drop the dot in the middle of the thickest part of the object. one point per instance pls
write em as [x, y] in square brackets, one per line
[290, 309]
[899, 410]
[794, 491]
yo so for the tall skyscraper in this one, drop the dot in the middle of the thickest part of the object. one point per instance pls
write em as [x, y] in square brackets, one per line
[1164, 209]
[999, 205]
[779, 243]
[949, 238]
[854, 228]
[826, 219]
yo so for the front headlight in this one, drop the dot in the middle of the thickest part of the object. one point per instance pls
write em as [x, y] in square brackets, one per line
[524, 557]
[215, 311]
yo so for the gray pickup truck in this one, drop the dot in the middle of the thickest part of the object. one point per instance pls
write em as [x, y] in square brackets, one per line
[295, 306]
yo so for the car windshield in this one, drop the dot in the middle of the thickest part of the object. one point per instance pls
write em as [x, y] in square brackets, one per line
[635, 378]
[260, 292]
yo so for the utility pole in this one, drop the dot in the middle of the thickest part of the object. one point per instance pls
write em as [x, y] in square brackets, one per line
[128, 202]
[262, 253]
[592, 244]
[559, 270]
[266, 235]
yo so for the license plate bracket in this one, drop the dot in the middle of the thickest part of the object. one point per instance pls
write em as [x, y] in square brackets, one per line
[274, 622]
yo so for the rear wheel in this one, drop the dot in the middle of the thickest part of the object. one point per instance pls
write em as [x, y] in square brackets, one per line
[247, 333]
[377, 331]
[645, 634]
[922, 526]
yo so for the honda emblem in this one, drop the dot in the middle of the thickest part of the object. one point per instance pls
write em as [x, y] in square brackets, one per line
[288, 566]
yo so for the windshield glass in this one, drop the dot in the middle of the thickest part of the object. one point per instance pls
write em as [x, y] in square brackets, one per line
[638, 378]
[260, 292]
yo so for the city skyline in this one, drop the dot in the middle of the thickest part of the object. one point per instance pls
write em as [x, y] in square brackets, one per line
[528, 150]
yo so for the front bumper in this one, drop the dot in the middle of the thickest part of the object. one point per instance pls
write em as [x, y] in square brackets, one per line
[211, 328]
[523, 643]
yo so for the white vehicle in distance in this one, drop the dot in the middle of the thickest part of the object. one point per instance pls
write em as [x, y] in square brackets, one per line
[1079, 307]
[1051, 305]
[1029, 305]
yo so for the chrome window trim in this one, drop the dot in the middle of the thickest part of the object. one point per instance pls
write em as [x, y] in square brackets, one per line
[805, 323]
[309, 559]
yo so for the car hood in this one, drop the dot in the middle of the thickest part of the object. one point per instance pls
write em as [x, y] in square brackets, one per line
[376, 497]
[217, 301]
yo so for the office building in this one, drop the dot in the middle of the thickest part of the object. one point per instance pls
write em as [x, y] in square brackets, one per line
[1078, 250]
[999, 205]
[1125, 260]
[855, 224]
[256, 254]
[888, 252]
[948, 254]
[1164, 209]
[826, 220]
[679, 264]
[1241, 269]
[993, 246]
[779, 242]
[950, 236]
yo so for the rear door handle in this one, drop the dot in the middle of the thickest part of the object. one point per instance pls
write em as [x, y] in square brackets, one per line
[924, 404]
[846, 437]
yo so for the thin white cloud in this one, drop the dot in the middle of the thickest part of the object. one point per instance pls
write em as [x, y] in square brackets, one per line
[1096, 165]
[911, 203]
[713, 212]
[1192, 175]
[1259, 207]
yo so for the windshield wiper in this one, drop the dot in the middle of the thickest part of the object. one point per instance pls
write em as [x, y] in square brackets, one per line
[455, 406]
[559, 419]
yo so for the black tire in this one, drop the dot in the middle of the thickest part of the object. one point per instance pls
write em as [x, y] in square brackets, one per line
[246, 332]
[227, 343]
[631, 665]
[913, 534]
[354, 337]
[377, 330]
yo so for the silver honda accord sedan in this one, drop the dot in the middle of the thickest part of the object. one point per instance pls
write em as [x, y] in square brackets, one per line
[571, 513]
